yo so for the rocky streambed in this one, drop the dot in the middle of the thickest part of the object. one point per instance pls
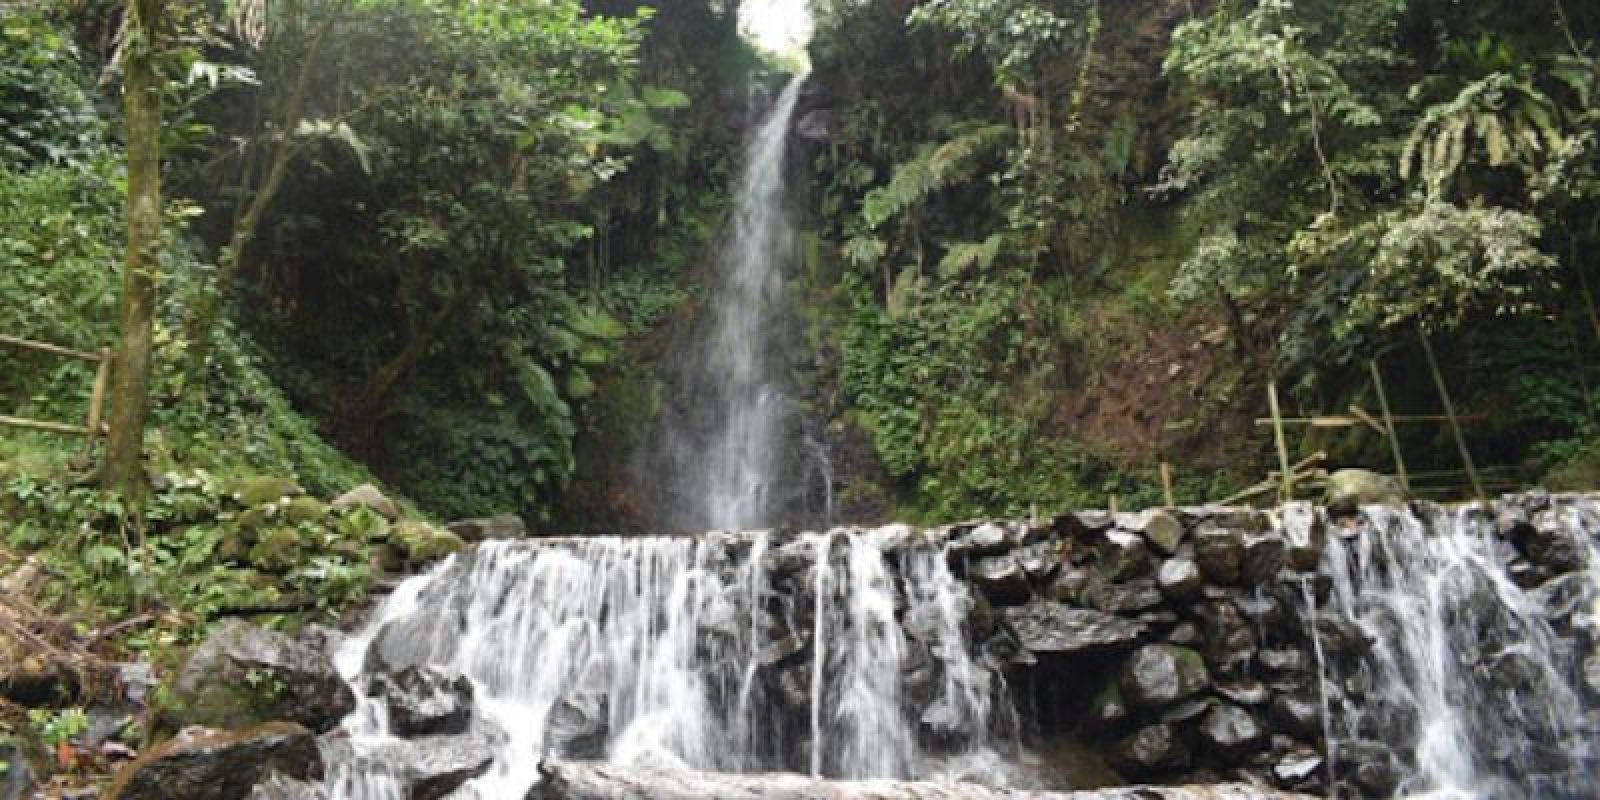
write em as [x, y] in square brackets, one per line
[1364, 652]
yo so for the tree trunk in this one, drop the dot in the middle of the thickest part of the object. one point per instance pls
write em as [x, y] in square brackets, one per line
[587, 781]
[130, 393]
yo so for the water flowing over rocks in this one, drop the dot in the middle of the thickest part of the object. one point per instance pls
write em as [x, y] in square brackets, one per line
[899, 662]
[605, 782]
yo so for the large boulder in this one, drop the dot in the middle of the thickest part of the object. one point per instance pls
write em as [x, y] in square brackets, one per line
[201, 764]
[244, 675]
[423, 543]
[429, 767]
[499, 526]
[1046, 627]
[1161, 528]
[1001, 579]
[1349, 489]
[369, 497]
[424, 701]
[1159, 675]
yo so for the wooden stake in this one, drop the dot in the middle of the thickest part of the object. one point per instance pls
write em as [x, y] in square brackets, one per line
[1114, 508]
[1450, 411]
[1388, 423]
[1286, 492]
[97, 400]
[1166, 483]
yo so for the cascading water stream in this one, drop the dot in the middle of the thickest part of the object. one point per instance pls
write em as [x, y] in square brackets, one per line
[739, 370]
[657, 652]
[1464, 668]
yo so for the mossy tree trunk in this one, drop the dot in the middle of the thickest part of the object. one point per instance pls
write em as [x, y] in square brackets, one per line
[130, 394]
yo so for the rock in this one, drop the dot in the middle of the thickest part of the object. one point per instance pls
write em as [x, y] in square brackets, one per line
[1231, 731]
[1305, 534]
[1186, 710]
[243, 675]
[579, 781]
[1122, 556]
[987, 539]
[1349, 489]
[260, 490]
[1179, 578]
[432, 767]
[1245, 692]
[1298, 715]
[278, 787]
[1220, 554]
[369, 497]
[1001, 579]
[424, 701]
[1040, 560]
[1159, 675]
[780, 652]
[1160, 528]
[1297, 769]
[1186, 634]
[1549, 544]
[1284, 660]
[817, 126]
[1230, 640]
[1151, 750]
[1046, 627]
[1136, 595]
[202, 764]
[1069, 586]
[1591, 676]
[422, 543]
[580, 723]
[276, 549]
[499, 526]
[306, 508]
[1264, 555]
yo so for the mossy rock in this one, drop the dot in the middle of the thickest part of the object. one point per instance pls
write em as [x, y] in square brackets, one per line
[387, 558]
[263, 489]
[423, 543]
[252, 520]
[234, 547]
[307, 509]
[277, 549]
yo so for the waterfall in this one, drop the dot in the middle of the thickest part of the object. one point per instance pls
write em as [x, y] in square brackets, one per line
[1446, 653]
[1465, 669]
[739, 373]
[727, 652]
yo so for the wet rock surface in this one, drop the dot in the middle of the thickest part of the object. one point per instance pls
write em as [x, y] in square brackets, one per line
[244, 675]
[201, 764]
[1182, 646]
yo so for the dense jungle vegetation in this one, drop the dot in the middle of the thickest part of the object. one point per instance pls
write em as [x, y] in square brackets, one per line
[1048, 245]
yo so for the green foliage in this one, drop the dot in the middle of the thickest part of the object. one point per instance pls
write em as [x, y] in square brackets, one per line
[934, 168]
[47, 113]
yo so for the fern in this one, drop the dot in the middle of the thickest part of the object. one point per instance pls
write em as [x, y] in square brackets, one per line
[1515, 123]
[864, 251]
[963, 256]
[934, 168]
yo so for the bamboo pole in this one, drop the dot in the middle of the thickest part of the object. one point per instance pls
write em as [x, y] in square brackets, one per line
[1450, 411]
[41, 425]
[1388, 422]
[97, 400]
[29, 344]
[1166, 483]
[1351, 421]
[1286, 492]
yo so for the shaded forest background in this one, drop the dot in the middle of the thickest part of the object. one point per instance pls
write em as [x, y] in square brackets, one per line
[1047, 245]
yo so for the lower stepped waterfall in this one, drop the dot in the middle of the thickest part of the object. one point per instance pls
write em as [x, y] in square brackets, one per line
[1381, 652]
